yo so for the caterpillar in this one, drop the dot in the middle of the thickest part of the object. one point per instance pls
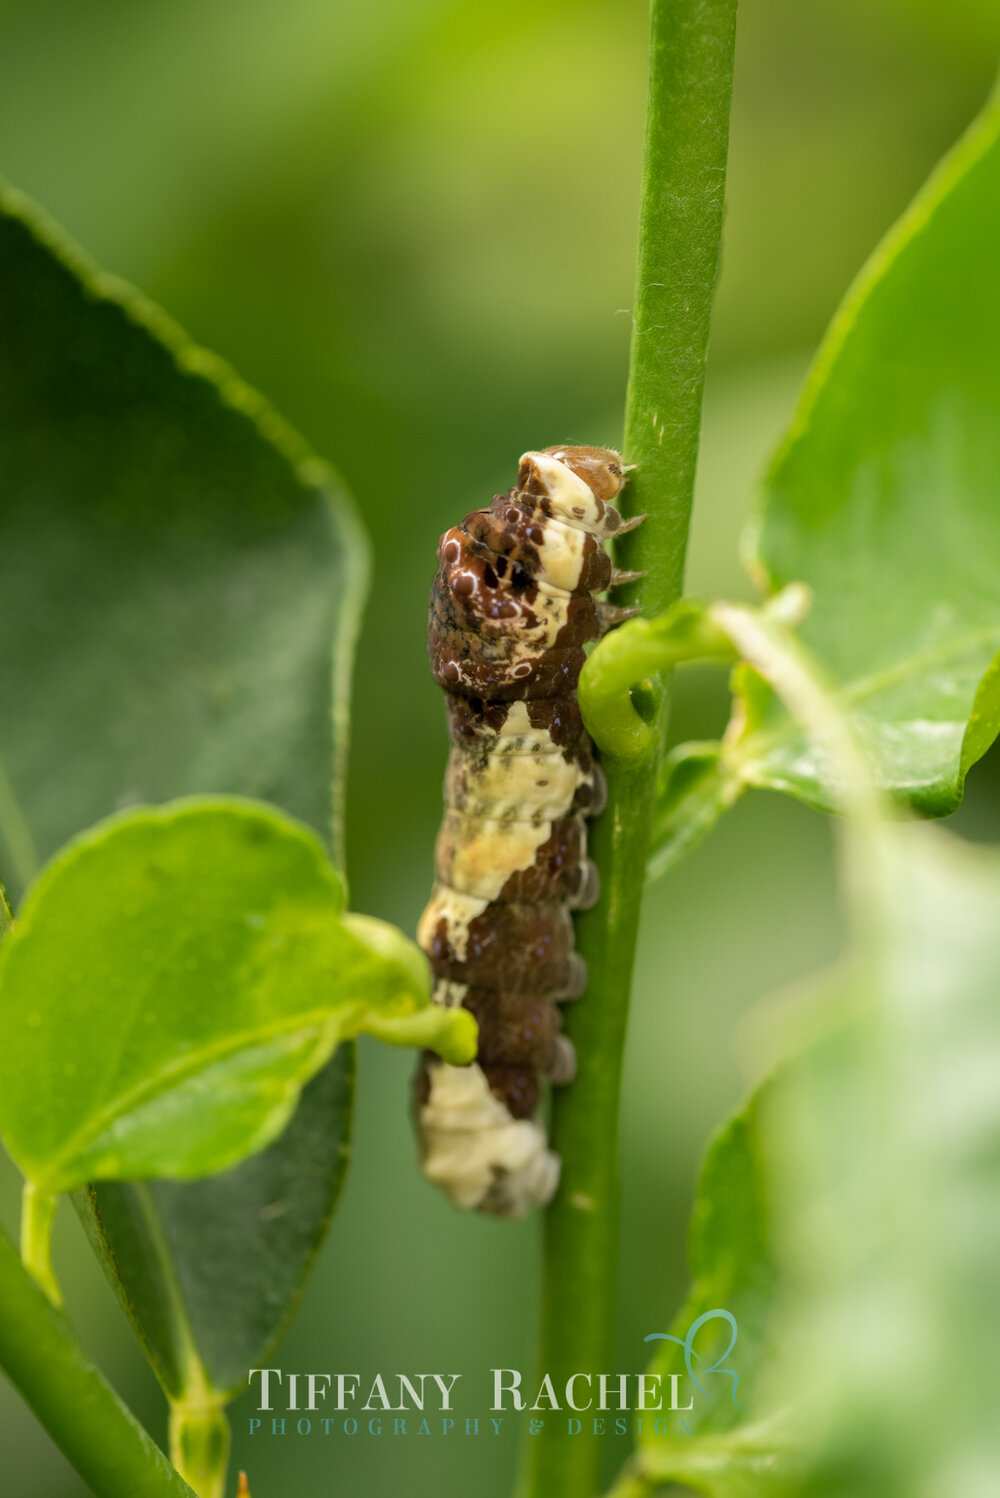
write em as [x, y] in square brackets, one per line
[511, 608]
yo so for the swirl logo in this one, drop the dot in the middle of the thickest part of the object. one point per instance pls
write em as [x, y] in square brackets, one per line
[690, 1356]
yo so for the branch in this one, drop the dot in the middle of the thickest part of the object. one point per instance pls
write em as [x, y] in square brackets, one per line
[79, 1409]
[691, 61]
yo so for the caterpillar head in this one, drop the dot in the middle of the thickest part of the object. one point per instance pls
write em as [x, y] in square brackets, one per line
[600, 468]
[575, 485]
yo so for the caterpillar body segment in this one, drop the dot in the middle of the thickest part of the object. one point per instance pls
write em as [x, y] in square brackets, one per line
[512, 606]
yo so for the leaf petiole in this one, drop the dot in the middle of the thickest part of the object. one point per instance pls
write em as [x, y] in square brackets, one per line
[38, 1210]
[199, 1444]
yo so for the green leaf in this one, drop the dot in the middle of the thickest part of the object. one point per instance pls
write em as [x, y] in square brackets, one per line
[884, 497]
[884, 501]
[175, 977]
[888, 1151]
[732, 1264]
[181, 578]
[847, 1216]
[718, 1447]
[691, 797]
[183, 581]
[211, 1272]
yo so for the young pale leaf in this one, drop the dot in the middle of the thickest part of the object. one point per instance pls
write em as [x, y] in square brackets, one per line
[883, 500]
[174, 978]
[848, 1218]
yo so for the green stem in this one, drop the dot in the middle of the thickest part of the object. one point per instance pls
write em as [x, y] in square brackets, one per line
[38, 1210]
[680, 231]
[691, 60]
[79, 1409]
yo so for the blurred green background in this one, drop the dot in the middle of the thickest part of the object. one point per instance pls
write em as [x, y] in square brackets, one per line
[411, 225]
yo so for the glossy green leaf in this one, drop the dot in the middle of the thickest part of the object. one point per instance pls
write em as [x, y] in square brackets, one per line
[181, 578]
[210, 1272]
[884, 500]
[848, 1216]
[174, 978]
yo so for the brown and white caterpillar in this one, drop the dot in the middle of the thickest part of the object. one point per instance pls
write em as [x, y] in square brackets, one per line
[511, 608]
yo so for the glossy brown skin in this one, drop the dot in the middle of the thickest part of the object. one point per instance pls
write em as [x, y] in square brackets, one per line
[501, 633]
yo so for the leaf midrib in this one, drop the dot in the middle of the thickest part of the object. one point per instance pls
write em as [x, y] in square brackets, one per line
[195, 1381]
[183, 1069]
[761, 742]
